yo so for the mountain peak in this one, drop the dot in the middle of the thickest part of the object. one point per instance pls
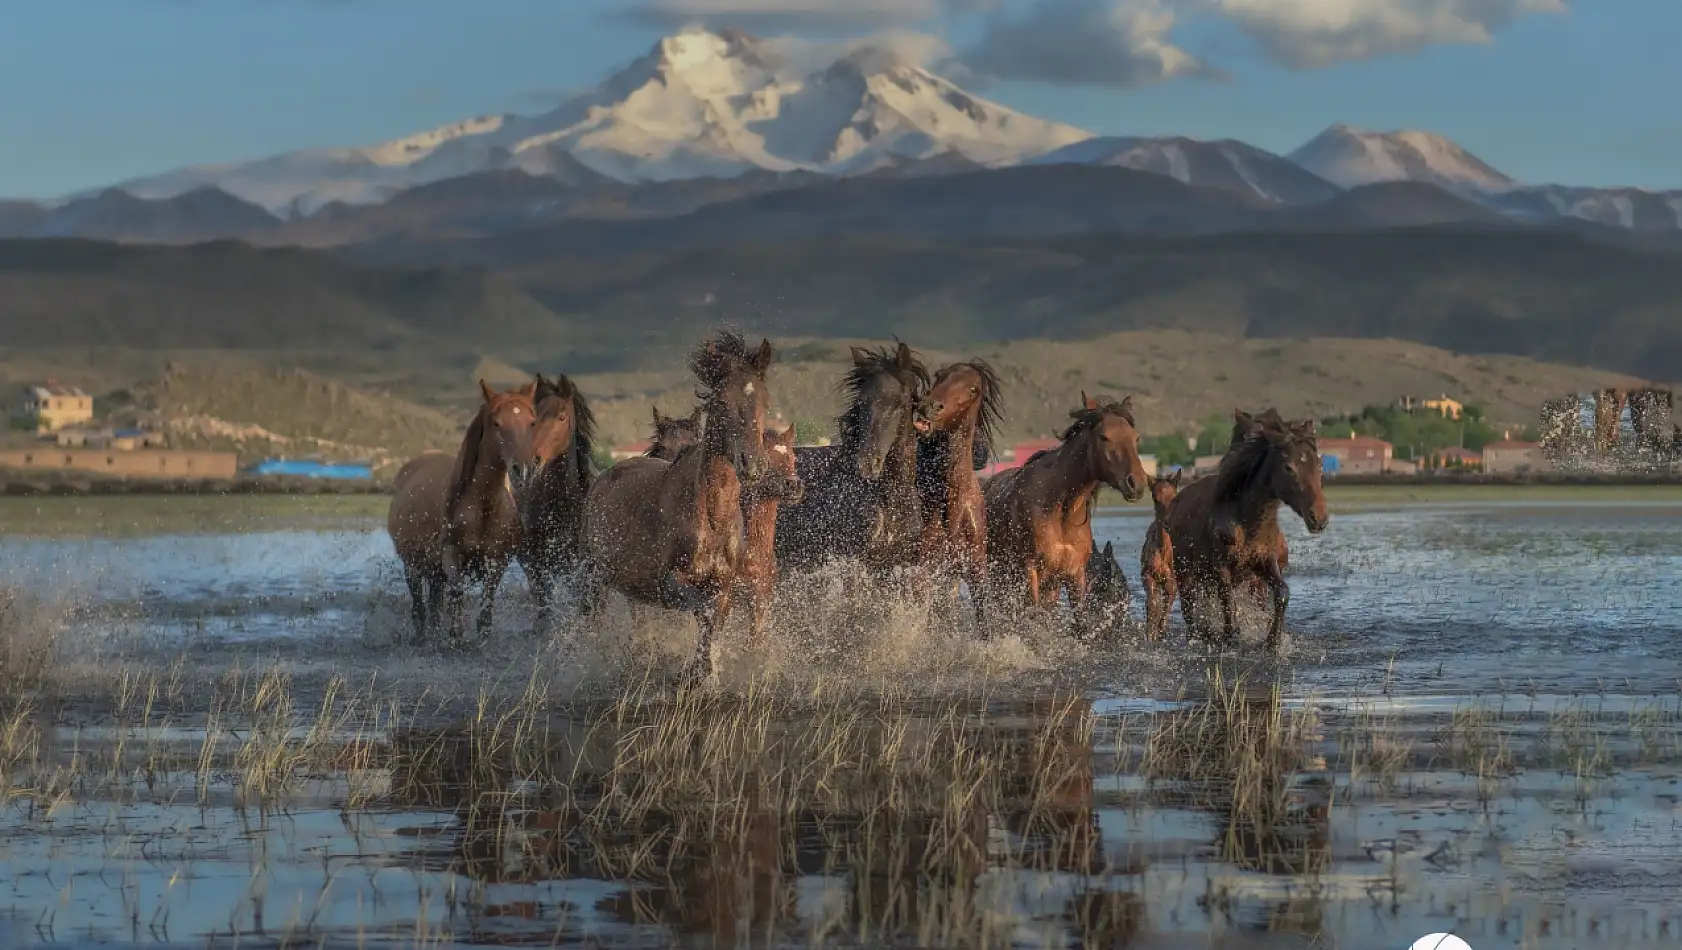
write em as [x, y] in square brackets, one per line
[697, 48]
[1349, 157]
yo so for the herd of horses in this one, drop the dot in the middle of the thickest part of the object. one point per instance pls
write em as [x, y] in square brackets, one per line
[721, 508]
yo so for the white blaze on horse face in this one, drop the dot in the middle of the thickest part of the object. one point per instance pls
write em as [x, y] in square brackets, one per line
[748, 389]
[783, 449]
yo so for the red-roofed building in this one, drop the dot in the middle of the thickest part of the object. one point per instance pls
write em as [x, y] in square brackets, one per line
[1360, 455]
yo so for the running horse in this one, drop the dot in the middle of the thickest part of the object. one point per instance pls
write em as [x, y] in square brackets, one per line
[762, 503]
[1039, 515]
[672, 434]
[669, 534]
[1107, 595]
[1225, 528]
[1156, 558]
[956, 421]
[564, 440]
[861, 493]
[457, 520]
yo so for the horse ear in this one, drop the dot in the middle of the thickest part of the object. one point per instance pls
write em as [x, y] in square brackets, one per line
[1127, 404]
[788, 436]
[762, 359]
[1109, 549]
[1088, 401]
[903, 356]
[1174, 477]
[529, 390]
[656, 416]
[1305, 427]
[485, 391]
[1240, 417]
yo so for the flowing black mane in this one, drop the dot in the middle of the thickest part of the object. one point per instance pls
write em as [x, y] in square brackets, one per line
[876, 362]
[1247, 457]
[717, 359]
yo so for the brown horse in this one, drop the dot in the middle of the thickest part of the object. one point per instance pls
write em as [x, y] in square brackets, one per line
[1107, 595]
[564, 442]
[1039, 515]
[458, 520]
[1156, 559]
[673, 434]
[757, 575]
[1225, 529]
[861, 493]
[956, 420]
[670, 533]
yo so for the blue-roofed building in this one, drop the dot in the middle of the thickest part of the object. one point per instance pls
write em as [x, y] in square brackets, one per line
[304, 468]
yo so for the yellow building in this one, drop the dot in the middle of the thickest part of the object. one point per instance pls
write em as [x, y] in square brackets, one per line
[1450, 408]
[51, 406]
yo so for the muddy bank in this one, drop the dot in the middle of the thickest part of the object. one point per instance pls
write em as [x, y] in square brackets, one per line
[1530, 478]
[16, 483]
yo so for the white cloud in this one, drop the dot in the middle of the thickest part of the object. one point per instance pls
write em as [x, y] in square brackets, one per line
[1085, 42]
[1308, 34]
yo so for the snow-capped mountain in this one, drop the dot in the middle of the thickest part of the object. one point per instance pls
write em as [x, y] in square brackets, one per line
[698, 104]
[1349, 157]
[1226, 164]
[1629, 208]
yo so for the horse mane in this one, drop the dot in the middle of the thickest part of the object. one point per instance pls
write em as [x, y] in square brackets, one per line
[467, 460]
[715, 360]
[1088, 418]
[1245, 457]
[583, 418]
[876, 362]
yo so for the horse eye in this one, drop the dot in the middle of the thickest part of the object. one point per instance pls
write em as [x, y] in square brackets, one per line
[973, 390]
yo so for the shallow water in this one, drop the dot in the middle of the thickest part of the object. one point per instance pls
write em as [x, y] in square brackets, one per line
[1453, 597]
[1561, 616]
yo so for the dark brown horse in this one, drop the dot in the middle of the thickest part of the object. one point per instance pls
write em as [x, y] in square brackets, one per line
[1108, 598]
[1039, 515]
[1225, 528]
[564, 442]
[457, 520]
[1156, 559]
[861, 493]
[956, 420]
[761, 502]
[673, 434]
[670, 533]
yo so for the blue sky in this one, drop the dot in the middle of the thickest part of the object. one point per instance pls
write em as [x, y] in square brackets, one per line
[101, 90]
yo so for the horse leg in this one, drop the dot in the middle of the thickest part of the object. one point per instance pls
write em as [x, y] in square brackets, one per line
[455, 594]
[759, 591]
[1075, 586]
[417, 602]
[709, 619]
[542, 580]
[1275, 579]
[487, 602]
[1224, 591]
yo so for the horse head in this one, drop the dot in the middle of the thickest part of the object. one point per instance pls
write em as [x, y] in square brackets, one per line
[1114, 444]
[508, 420]
[961, 394]
[733, 401]
[884, 385]
[673, 434]
[1163, 491]
[1293, 470]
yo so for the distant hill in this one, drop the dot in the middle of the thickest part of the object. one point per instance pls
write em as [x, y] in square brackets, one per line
[1394, 204]
[282, 411]
[1545, 295]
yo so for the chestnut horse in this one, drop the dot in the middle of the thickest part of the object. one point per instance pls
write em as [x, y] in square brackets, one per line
[1156, 559]
[564, 441]
[861, 493]
[669, 534]
[458, 520]
[1039, 515]
[761, 502]
[672, 434]
[956, 421]
[1225, 528]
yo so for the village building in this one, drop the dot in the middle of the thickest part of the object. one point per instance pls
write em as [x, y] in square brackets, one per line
[1359, 455]
[1454, 459]
[137, 463]
[1514, 457]
[51, 406]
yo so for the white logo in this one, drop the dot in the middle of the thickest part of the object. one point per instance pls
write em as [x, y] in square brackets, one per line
[1440, 942]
